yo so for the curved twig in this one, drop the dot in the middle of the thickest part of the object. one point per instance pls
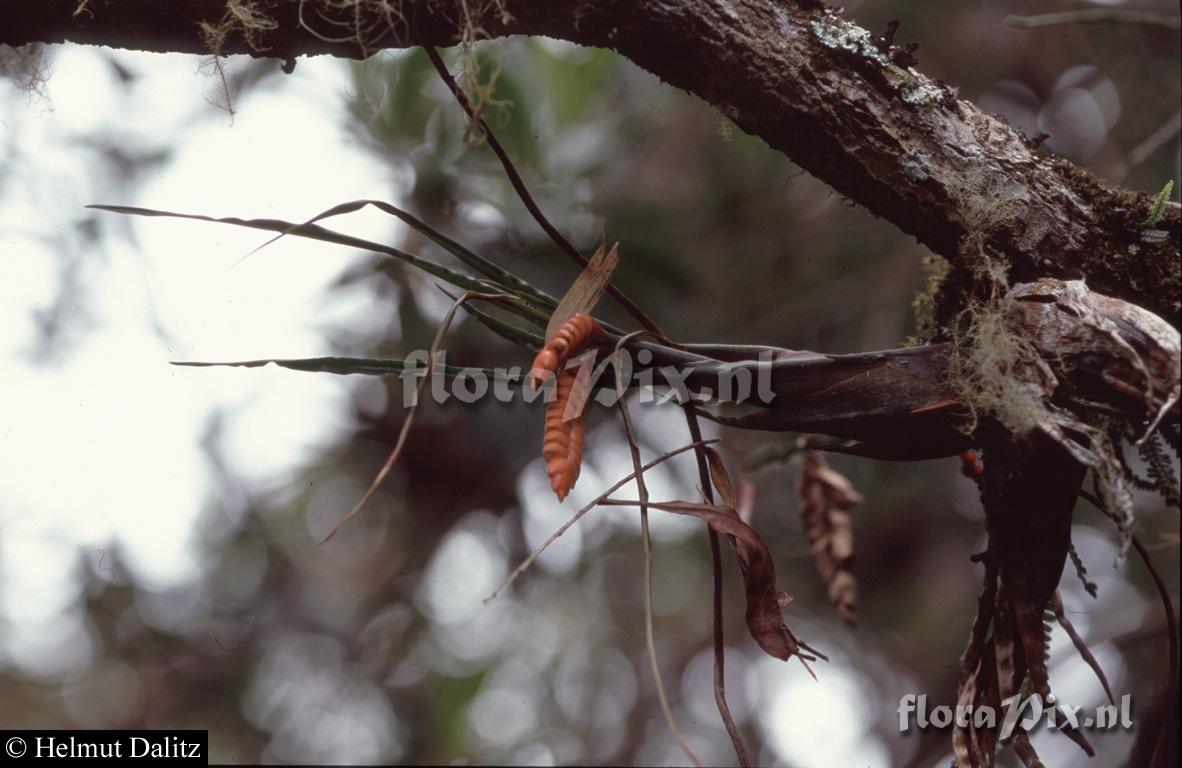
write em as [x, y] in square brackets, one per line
[410, 415]
[578, 515]
[522, 192]
[646, 538]
[1159, 747]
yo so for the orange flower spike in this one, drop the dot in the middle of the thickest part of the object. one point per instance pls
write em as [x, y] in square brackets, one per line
[564, 471]
[575, 335]
[971, 465]
[562, 443]
[575, 456]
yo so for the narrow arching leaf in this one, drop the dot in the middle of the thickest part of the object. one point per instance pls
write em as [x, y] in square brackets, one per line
[351, 365]
[479, 263]
[315, 232]
[507, 331]
[396, 451]
[511, 333]
[601, 499]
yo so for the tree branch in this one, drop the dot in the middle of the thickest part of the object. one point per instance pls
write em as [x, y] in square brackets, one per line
[837, 101]
[1096, 16]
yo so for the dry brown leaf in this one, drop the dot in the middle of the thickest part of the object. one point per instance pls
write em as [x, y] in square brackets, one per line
[1029, 495]
[764, 620]
[721, 477]
[764, 599]
[585, 291]
[826, 498]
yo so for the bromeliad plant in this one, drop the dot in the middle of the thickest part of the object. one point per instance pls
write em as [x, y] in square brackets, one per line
[1045, 380]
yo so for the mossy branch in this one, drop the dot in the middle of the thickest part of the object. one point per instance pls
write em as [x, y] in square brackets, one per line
[795, 74]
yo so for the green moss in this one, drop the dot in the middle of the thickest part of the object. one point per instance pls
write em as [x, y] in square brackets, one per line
[923, 303]
[1145, 272]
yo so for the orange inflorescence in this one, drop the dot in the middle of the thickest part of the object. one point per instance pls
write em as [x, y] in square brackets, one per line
[573, 337]
[971, 465]
[562, 443]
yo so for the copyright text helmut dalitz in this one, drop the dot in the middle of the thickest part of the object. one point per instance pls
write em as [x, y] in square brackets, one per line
[131, 747]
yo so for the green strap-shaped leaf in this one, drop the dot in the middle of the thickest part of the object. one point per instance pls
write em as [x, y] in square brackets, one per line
[315, 232]
[511, 333]
[349, 365]
[482, 265]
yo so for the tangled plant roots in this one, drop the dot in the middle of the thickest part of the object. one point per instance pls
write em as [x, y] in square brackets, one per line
[26, 67]
[241, 16]
[367, 23]
[994, 370]
[245, 18]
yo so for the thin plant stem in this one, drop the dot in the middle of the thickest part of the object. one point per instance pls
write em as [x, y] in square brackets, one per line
[646, 539]
[1171, 699]
[578, 515]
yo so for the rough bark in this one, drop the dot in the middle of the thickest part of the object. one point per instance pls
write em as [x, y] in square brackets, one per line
[836, 100]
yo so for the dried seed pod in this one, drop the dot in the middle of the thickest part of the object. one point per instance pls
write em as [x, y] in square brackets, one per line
[562, 441]
[575, 335]
[826, 499]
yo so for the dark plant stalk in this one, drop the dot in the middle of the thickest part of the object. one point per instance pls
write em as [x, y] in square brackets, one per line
[695, 430]
[523, 193]
[1159, 746]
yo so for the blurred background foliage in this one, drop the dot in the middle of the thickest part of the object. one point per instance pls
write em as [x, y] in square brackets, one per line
[376, 647]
